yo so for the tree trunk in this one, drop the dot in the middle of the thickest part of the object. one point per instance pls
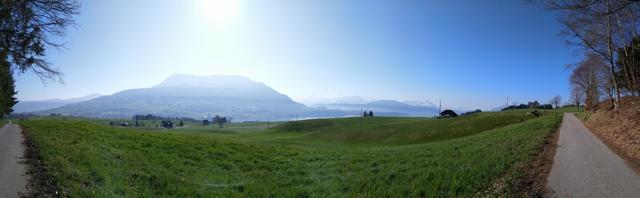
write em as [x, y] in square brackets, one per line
[611, 59]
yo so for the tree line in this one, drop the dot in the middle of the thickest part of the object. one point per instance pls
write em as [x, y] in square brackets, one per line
[535, 105]
[155, 117]
[606, 31]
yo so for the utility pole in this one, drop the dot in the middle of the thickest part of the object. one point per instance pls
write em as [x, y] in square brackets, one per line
[297, 123]
[361, 116]
[507, 101]
[268, 119]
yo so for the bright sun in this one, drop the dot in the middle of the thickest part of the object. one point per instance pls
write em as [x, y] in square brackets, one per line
[219, 11]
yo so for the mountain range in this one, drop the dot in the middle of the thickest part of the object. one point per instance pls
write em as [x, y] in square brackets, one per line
[238, 97]
[40, 105]
[387, 108]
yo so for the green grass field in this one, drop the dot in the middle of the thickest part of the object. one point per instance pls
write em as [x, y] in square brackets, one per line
[379, 156]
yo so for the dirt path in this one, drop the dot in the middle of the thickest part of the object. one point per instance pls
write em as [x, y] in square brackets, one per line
[13, 178]
[585, 167]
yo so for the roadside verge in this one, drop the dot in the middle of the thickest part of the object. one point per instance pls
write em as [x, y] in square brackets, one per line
[40, 183]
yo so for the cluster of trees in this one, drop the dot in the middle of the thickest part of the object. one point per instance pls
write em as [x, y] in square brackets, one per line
[155, 117]
[124, 124]
[26, 27]
[147, 117]
[534, 105]
[367, 114]
[166, 124]
[592, 79]
[589, 81]
[139, 123]
[520, 106]
[219, 120]
[607, 32]
[545, 106]
[471, 112]
[216, 120]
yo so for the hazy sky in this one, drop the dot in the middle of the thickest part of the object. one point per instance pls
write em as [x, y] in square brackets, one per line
[469, 53]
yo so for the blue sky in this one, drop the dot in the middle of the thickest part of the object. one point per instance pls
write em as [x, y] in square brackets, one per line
[468, 53]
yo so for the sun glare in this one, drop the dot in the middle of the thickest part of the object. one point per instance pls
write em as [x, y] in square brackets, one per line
[219, 11]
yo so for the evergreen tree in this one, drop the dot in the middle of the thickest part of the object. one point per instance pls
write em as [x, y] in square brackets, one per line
[27, 27]
[629, 71]
[222, 121]
[7, 87]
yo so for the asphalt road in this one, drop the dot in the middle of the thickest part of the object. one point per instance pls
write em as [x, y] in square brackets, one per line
[585, 167]
[13, 178]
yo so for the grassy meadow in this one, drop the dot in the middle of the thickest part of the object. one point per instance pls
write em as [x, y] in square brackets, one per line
[379, 156]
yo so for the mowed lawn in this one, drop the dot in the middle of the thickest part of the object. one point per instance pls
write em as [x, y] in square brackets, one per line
[424, 157]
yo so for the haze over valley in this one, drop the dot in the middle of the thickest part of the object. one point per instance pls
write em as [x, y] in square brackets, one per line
[237, 97]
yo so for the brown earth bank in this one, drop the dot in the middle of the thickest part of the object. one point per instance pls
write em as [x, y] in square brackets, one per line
[619, 129]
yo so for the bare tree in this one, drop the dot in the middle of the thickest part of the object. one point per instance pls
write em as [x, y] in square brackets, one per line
[577, 96]
[556, 101]
[586, 76]
[601, 27]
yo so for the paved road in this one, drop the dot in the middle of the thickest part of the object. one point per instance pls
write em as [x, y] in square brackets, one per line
[12, 172]
[586, 167]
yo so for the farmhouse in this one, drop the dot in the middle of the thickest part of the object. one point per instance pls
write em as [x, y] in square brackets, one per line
[448, 114]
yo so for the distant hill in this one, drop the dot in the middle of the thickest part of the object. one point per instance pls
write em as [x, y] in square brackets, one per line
[40, 105]
[387, 108]
[193, 96]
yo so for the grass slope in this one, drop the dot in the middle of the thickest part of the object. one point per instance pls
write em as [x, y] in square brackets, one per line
[91, 160]
[378, 131]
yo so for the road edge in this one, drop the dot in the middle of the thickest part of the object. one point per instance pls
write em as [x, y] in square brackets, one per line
[533, 182]
[531, 176]
[40, 184]
[633, 163]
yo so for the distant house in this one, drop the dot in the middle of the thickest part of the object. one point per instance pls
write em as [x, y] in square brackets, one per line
[205, 122]
[167, 124]
[448, 114]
